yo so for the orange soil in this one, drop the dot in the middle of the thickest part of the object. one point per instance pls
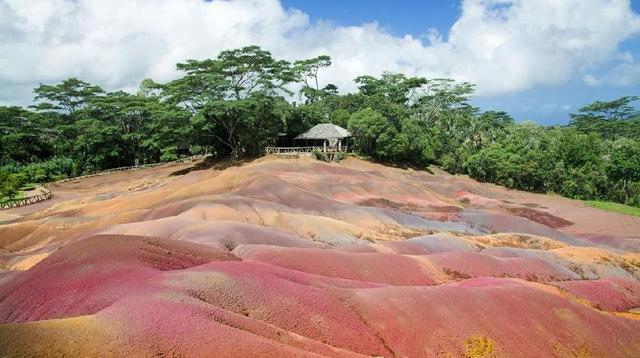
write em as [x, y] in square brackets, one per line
[295, 257]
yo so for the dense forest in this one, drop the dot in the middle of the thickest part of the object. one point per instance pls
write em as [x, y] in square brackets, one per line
[237, 103]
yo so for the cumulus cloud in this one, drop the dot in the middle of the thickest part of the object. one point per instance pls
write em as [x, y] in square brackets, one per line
[624, 74]
[501, 45]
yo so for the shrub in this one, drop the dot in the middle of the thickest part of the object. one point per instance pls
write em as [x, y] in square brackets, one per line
[10, 183]
[318, 154]
[40, 172]
[29, 186]
[229, 245]
[36, 173]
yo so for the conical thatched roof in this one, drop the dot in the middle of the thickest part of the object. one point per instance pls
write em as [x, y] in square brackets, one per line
[325, 131]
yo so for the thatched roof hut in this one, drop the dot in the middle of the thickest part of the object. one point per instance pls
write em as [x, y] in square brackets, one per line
[325, 131]
[327, 137]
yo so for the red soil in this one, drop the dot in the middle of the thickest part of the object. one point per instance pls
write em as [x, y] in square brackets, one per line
[469, 264]
[612, 294]
[372, 267]
[303, 258]
[540, 217]
[522, 321]
[87, 276]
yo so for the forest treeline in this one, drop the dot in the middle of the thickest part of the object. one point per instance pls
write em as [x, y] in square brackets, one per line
[237, 103]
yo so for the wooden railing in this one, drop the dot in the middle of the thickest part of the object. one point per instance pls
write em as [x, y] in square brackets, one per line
[14, 203]
[47, 194]
[296, 150]
[134, 167]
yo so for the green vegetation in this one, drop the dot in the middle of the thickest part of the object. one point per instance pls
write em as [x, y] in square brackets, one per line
[341, 156]
[28, 186]
[615, 207]
[15, 197]
[16, 177]
[319, 155]
[237, 103]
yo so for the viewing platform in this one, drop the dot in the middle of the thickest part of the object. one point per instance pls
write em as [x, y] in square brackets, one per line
[326, 138]
[299, 152]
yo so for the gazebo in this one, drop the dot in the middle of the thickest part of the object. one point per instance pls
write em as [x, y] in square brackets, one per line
[326, 135]
[329, 138]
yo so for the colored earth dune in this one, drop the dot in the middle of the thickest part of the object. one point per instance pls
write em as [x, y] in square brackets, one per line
[295, 257]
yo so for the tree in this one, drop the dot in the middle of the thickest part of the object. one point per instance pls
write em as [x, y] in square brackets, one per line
[373, 135]
[236, 74]
[421, 141]
[624, 165]
[10, 183]
[340, 117]
[22, 137]
[444, 110]
[302, 117]
[68, 97]
[307, 74]
[616, 110]
[396, 87]
[484, 129]
[237, 103]
[612, 119]
[224, 90]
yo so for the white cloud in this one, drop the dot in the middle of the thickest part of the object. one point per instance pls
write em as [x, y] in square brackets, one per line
[626, 73]
[500, 45]
[592, 80]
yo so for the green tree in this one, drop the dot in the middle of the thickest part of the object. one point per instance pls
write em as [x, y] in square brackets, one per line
[307, 73]
[69, 96]
[10, 183]
[223, 92]
[373, 135]
[611, 119]
[236, 103]
[624, 167]
[340, 117]
[444, 111]
[22, 137]
[395, 87]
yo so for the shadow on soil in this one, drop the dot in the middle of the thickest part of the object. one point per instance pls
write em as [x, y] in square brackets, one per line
[215, 164]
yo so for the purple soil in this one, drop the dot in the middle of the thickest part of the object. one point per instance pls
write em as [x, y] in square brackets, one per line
[301, 258]
[540, 217]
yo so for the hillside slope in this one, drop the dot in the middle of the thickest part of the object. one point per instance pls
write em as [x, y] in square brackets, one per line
[304, 258]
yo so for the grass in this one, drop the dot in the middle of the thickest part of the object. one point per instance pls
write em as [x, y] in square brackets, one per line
[29, 186]
[21, 194]
[615, 207]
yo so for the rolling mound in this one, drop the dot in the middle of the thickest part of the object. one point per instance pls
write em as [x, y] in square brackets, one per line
[295, 257]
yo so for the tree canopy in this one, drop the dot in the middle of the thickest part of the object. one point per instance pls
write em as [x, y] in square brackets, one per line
[239, 101]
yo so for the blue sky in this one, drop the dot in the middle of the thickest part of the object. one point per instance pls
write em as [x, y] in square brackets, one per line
[398, 17]
[544, 104]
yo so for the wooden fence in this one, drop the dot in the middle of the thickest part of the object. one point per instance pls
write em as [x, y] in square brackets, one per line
[14, 203]
[135, 167]
[47, 194]
[297, 150]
